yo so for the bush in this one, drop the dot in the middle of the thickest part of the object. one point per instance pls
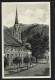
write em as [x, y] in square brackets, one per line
[17, 60]
[26, 60]
[33, 59]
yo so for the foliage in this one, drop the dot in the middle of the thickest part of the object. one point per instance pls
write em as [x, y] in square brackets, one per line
[26, 60]
[5, 62]
[34, 29]
[32, 59]
[39, 44]
[17, 60]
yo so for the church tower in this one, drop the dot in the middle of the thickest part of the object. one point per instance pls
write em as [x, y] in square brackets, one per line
[16, 29]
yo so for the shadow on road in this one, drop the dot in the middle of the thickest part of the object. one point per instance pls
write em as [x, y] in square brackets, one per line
[44, 73]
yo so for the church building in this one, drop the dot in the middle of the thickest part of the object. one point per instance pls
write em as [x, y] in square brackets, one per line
[16, 30]
[13, 45]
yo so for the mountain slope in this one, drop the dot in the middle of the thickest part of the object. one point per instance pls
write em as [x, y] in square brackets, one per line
[34, 29]
[30, 30]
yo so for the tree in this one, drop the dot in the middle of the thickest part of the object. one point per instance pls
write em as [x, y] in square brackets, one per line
[5, 62]
[39, 44]
[46, 43]
[17, 60]
[26, 60]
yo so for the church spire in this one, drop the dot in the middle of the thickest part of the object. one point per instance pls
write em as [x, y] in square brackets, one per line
[16, 18]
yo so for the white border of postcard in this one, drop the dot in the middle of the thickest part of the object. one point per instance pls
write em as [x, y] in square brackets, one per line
[3, 49]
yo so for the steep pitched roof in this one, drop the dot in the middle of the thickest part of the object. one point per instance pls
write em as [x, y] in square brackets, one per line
[10, 40]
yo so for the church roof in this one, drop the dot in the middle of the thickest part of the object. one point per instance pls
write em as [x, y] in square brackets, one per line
[16, 18]
[9, 40]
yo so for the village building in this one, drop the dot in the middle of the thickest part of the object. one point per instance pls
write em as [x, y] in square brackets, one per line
[13, 45]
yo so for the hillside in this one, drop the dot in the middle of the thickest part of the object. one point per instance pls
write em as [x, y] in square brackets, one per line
[8, 30]
[34, 29]
[30, 30]
[22, 26]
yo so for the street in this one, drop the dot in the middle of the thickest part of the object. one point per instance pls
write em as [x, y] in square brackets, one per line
[37, 70]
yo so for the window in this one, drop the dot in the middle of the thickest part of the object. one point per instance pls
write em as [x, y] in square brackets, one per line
[7, 56]
[19, 55]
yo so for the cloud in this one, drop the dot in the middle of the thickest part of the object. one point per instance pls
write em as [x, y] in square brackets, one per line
[8, 20]
[37, 16]
[30, 16]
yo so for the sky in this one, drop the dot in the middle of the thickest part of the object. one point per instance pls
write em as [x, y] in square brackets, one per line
[28, 13]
